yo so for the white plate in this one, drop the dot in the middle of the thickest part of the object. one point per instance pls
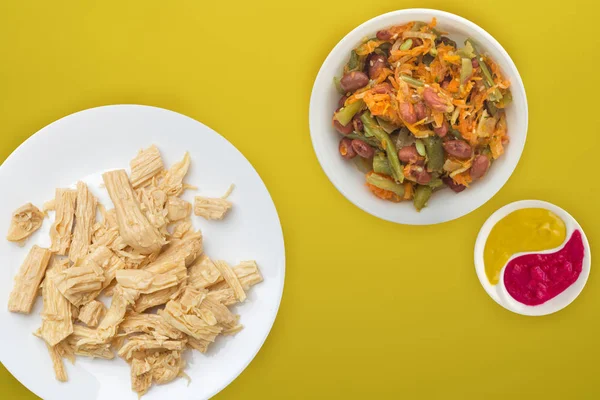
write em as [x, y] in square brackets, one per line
[499, 293]
[85, 144]
[444, 205]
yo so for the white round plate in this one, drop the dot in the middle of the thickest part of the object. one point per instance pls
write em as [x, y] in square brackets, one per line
[82, 146]
[499, 293]
[444, 205]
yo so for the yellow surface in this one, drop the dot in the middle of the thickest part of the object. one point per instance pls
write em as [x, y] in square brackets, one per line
[529, 229]
[371, 309]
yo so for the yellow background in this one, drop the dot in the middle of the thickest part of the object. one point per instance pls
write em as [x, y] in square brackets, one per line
[371, 309]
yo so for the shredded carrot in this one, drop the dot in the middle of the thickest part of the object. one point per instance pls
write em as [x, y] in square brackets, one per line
[368, 47]
[385, 72]
[408, 191]
[453, 86]
[463, 178]
[358, 95]
[496, 147]
[452, 59]
[399, 29]
[384, 194]
[438, 70]
[438, 118]
[419, 133]
[395, 55]
[465, 125]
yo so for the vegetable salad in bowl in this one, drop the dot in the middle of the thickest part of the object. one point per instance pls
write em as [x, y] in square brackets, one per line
[418, 113]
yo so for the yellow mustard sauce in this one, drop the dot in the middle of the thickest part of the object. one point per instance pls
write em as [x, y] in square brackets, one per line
[525, 230]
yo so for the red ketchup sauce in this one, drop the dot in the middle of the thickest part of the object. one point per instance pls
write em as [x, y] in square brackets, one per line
[533, 279]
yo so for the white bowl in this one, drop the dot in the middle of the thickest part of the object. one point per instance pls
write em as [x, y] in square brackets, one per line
[444, 205]
[499, 293]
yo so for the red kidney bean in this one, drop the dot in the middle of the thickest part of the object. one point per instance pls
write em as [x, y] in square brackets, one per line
[474, 63]
[376, 63]
[384, 34]
[346, 149]
[420, 174]
[443, 130]
[480, 166]
[408, 154]
[362, 149]
[343, 129]
[456, 188]
[423, 177]
[353, 81]
[458, 149]
[407, 112]
[357, 123]
[382, 88]
[342, 101]
[421, 111]
[434, 101]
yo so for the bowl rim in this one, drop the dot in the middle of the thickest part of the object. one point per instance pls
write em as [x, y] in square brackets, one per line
[314, 125]
[499, 293]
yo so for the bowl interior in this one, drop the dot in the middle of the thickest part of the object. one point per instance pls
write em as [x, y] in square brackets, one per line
[444, 205]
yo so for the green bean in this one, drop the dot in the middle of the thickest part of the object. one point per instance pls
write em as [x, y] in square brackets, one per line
[435, 153]
[488, 80]
[385, 184]
[387, 126]
[345, 114]
[417, 26]
[506, 99]
[420, 148]
[368, 140]
[385, 47]
[456, 134]
[446, 40]
[380, 52]
[434, 183]
[338, 86]
[491, 107]
[466, 70]
[406, 45]
[362, 164]
[411, 81]
[467, 51]
[405, 138]
[353, 62]
[371, 126]
[427, 59]
[381, 164]
[433, 51]
[422, 195]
